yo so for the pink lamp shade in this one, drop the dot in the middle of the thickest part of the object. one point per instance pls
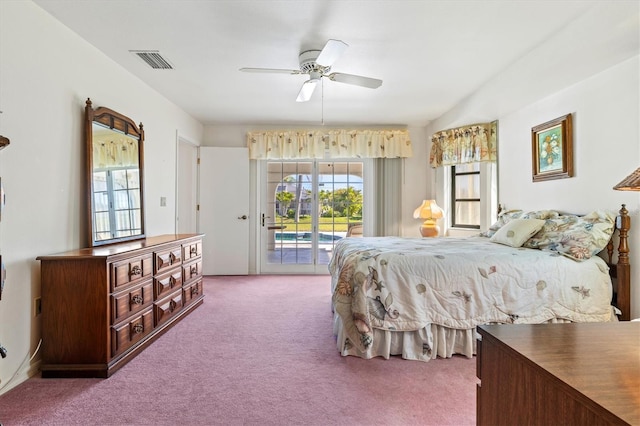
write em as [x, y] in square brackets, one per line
[429, 211]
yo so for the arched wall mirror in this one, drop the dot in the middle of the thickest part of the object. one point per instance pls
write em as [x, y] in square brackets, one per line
[115, 172]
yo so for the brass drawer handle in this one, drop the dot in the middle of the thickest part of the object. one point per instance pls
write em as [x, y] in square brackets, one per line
[172, 305]
[193, 270]
[195, 291]
[137, 329]
[135, 270]
[194, 251]
[137, 300]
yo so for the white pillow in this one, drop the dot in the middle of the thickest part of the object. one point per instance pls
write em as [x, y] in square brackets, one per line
[517, 231]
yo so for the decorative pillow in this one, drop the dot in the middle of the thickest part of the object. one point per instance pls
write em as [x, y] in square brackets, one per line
[517, 231]
[503, 219]
[507, 216]
[577, 237]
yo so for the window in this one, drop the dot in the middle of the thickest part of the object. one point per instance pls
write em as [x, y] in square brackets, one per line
[116, 203]
[465, 196]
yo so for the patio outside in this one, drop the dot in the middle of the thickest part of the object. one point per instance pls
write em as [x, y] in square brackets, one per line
[339, 210]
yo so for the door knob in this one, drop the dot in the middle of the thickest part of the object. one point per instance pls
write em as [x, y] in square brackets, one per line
[243, 217]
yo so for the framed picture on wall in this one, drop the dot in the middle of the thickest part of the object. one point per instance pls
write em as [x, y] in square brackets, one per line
[552, 149]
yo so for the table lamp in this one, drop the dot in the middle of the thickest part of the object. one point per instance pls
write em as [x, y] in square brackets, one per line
[429, 211]
[630, 183]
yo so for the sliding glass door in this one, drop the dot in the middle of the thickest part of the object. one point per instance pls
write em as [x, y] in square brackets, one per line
[306, 207]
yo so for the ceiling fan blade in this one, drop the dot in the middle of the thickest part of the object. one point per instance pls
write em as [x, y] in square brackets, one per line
[358, 80]
[307, 90]
[271, 70]
[331, 51]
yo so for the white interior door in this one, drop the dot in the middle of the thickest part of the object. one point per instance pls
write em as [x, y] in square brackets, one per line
[224, 210]
[187, 188]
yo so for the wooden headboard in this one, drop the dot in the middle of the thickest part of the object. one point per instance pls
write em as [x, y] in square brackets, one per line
[621, 270]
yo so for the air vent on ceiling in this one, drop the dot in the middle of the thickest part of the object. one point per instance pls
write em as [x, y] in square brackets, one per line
[153, 59]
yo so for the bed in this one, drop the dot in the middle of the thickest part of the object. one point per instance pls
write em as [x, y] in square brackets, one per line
[421, 298]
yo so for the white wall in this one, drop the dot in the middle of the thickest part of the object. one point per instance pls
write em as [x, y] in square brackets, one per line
[415, 184]
[606, 143]
[46, 74]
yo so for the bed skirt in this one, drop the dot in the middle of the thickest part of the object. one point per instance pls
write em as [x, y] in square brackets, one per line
[425, 344]
[420, 345]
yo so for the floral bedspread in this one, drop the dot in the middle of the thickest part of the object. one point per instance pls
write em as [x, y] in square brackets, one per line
[403, 284]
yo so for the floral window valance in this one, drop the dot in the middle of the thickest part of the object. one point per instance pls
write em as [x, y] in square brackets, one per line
[115, 153]
[468, 144]
[293, 144]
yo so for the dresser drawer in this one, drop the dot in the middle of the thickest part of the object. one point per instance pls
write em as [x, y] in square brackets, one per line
[130, 301]
[192, 292]
[191, 250]
[130, 271]
[166, 283]
[164, 309]
[191, 271]
[167, 259]
[125, 335]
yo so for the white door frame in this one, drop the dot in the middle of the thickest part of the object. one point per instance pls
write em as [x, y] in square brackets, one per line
[180, 139]
[291, 268]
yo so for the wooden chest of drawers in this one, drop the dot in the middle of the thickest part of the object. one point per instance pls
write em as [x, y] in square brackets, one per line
[101, 306]
[559, 374]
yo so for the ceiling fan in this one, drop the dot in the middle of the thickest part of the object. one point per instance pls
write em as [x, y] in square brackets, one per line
[317, 64]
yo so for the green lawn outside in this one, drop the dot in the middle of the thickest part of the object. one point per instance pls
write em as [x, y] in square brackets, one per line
[326, 224]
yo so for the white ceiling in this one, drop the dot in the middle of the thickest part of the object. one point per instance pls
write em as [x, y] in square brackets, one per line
[431, 55]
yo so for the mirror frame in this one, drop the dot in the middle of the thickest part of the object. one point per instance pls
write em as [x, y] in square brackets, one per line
[120, 123]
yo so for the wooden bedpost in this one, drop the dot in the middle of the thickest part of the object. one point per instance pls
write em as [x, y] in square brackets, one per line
[623, 268]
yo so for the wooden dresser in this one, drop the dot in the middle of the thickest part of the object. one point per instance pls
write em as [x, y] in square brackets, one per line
[559, 374]
[101, 306]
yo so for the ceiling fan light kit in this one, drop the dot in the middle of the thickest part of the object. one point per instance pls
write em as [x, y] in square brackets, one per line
[317, 64]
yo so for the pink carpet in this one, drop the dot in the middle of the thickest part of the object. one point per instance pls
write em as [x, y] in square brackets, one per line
[260, 350]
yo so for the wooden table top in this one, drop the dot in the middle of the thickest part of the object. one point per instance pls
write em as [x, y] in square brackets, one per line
[599, 360]
[119, 248]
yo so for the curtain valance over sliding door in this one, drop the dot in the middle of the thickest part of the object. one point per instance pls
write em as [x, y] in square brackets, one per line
[468, 144]
[301, 144]
[115, 153]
